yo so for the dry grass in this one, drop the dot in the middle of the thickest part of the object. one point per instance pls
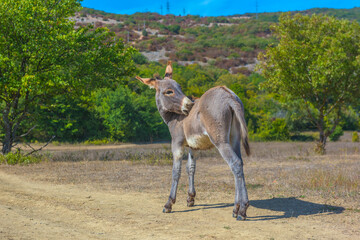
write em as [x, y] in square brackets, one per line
[275, 169]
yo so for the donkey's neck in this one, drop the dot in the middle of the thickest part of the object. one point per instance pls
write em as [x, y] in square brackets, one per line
[171, 118]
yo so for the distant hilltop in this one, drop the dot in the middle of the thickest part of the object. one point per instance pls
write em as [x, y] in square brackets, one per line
[228, 42]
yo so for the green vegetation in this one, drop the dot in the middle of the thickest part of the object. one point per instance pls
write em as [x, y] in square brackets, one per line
[355, 137]
[337, 133]
[19, 158]
[74, 80]
[316, 62]
[43, 56]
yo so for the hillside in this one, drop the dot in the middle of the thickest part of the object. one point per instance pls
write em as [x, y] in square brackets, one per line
[228, 42]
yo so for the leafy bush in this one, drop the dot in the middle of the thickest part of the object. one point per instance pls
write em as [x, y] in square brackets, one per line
[70, 119]
[139, 58]
[275, 130]
[355, 137]
[338, 132]
[185, 55]
[144, 33]
[97, 142]
[19, 158]
[174, 28]
[129, 116]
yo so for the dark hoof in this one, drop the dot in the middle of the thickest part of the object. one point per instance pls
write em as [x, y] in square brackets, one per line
[167, 210]
[239, 217]
[240, 214]
[191, 199]
[190, 202]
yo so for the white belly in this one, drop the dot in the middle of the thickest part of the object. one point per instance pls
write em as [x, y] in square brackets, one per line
[199, 142]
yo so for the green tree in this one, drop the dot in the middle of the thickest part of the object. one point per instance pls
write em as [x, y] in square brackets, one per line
[317, 61]
[43, 55]
[174, 28]
[129, 116]
[69, 118]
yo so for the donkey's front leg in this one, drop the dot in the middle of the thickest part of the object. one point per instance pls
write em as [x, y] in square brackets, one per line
[190, 168]
[177, 151]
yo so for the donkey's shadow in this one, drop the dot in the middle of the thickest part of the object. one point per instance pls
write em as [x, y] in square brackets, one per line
[291, 207]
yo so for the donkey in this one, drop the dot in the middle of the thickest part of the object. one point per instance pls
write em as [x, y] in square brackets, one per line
[215, 119]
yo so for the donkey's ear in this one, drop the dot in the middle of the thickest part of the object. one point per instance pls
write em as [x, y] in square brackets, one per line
[148, 81]
[169, 70]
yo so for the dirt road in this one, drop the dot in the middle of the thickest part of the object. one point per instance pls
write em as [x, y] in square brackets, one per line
[42, 210]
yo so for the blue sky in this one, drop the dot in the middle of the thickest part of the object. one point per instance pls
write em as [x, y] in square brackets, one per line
[213, 7]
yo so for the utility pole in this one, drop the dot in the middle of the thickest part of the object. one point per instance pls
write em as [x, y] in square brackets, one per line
[168, 6]
[161, 9]
[256, 5]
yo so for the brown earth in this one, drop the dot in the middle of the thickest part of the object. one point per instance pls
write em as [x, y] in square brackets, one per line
[123, 199]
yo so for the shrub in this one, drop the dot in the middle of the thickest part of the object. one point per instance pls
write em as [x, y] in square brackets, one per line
[275, 130]
[13, 158]
[97, 142]
[338, 132]
[242, 70]
[355, 137]
[174, 28]
[138, 58]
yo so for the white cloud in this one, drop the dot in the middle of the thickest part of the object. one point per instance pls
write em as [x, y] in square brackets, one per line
[206, 2]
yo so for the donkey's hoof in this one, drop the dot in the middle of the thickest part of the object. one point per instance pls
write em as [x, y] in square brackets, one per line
[240, 218]
[167, 210]
[235, 215]
[190, 201]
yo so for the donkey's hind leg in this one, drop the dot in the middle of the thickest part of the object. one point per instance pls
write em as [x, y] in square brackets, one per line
[190, 168]
[236, 164]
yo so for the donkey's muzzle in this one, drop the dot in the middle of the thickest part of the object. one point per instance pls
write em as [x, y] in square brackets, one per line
[186, 106]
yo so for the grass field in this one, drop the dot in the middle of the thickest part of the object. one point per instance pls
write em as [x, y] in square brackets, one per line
[295, 193]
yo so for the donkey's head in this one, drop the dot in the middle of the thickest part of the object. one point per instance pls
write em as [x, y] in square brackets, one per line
[169, 97]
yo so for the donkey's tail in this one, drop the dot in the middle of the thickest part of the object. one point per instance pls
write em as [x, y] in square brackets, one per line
[238, 109]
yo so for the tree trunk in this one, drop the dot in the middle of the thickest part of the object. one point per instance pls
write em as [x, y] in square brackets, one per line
[12, 116]
[8, 139]
[7, 142]
[6, 148]
[320, 146]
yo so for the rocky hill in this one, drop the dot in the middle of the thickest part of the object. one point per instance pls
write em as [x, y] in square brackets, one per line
[228, 42]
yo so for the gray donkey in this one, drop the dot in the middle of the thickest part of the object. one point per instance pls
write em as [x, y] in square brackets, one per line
[216, 119]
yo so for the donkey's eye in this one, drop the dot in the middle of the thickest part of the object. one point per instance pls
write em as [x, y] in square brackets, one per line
[169, 92]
